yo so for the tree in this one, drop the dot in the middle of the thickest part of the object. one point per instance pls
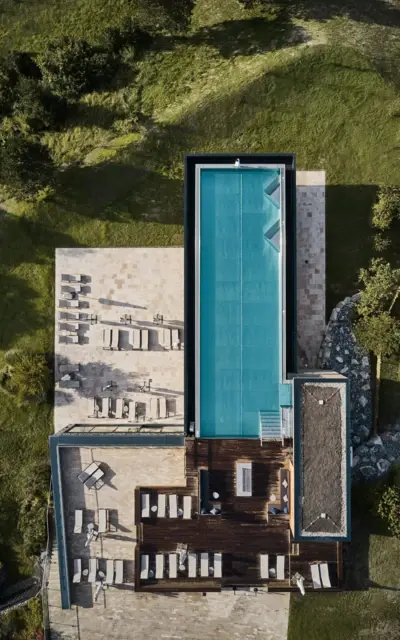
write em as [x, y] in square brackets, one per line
[8, 80]
[34, 107]
[379, 334]
[72, 67]
[389, 509]
[381, 284]
[25, 166]
[377, 330]
[29, 375]
[387, 208]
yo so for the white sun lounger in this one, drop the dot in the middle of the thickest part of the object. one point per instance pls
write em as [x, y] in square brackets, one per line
[144, 567]
[145, 339]
[204, 570]
[325, 575]
[166, 338]
[173, 565]
[154, 408]
[119, 407]
[162, 505]
[73, 339]
[107, 338]
[187, 507]
[78, 521]
[159, 566]
[217, 565]
[135, 337]
[174, 338]
[103, 520]
[92, 569]
[109, 571]
[145, 505]
[162, 406]
[114, 339]
[280, 567]
[173, 506]
[315, 575]
[192, 562]
[74, 277]
[77, 570]
[119, 571]
[105, 408]
[264, 566]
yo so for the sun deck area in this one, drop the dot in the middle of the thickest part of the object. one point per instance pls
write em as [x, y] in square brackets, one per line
[240, 528]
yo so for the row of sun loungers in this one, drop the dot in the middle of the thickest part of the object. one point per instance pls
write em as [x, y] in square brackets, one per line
[185, 511]
[103, 521]
[320, 574]
[265, 570]
[121, 408]
[138, 338]
[114, 571]
[192, 569]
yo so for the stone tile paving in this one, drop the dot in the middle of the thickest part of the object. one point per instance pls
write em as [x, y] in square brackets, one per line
[137, 282]
[310, 265]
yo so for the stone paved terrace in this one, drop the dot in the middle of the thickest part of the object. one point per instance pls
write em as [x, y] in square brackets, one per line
[311, 257]
[137, 282]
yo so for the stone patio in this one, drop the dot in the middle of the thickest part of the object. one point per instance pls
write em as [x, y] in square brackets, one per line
[141, 283]
[311, 265]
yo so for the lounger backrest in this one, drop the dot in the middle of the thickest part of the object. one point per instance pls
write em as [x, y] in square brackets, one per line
[192, 560]
[315, 575]
[77, 570]
[264, 566]
[144, 567]
[119, 571]
[145, 505]
[217, 565]
[204, 565]
[280, 567]
[173, 506]
[187, 507]
[173, 565]
[162, 505]
[110, 571]
[323, 567]
[159, 566]
[78, 521]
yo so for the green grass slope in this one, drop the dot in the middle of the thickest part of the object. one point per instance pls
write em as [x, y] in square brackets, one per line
[234, 80]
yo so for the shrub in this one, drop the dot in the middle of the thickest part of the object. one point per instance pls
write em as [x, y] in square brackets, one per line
[379, 334]
[387, 208]
[381, 243]
[129, 35]
[34, 107]
[8, 80]
[29, 375]
[34, 479]
[25, 166]
[72, 67]
[389, 509]
[24, 65]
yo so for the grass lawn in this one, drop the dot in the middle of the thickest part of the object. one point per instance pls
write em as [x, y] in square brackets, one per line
[370, 609]
[235, 80]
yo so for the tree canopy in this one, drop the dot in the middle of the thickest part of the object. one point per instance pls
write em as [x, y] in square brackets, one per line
[387, 208]
[379, 334]
[381, 283]
[25, 166]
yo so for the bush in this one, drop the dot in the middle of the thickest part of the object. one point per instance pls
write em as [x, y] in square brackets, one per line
[34, 479]
[379, 334]
[24, 65]
[25, 166]
[389, 509]
[8, 80]
[35, 108]
[381, 243]
[387, 208]
[29, 375]
[129, 35]
[72, 67]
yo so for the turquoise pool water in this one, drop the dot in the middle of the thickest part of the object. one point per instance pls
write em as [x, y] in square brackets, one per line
[240, 345]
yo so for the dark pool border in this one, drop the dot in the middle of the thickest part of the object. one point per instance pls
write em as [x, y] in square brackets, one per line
[191, 160]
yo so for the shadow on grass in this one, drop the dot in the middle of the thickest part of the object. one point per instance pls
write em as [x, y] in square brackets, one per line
[25, 242]
[377, 12]
[349, 238]
[240, 37]
[140, 194]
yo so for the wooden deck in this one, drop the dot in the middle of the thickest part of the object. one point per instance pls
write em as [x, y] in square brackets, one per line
[242, 530]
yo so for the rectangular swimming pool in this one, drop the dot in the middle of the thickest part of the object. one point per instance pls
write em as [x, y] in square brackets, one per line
[238, 315]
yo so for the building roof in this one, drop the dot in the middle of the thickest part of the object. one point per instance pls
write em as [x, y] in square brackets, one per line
[321, 459]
